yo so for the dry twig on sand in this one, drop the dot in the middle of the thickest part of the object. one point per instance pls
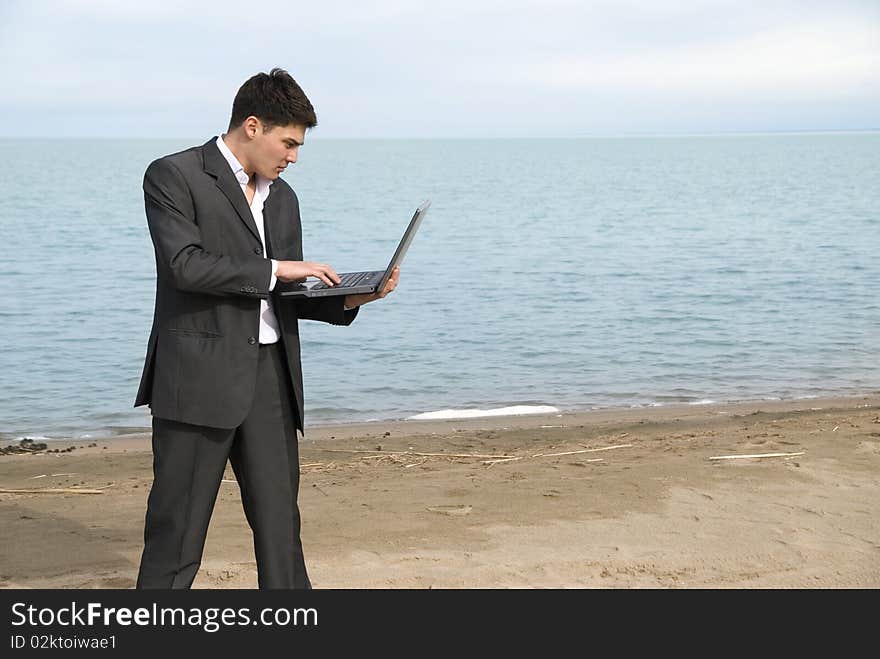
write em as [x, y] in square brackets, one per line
[587, 450]
[55, 490]
[374, 454]
[756, 455]
[495, 462]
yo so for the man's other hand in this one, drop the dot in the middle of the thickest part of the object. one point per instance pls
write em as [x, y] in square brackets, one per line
[390, 285]
[299, 270]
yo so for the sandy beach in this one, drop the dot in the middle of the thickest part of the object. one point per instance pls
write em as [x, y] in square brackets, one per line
[609, 498]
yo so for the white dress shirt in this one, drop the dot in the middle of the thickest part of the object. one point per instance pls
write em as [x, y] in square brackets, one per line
[269, 332]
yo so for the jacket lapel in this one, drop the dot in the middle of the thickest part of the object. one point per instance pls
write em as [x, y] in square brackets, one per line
[216, 166]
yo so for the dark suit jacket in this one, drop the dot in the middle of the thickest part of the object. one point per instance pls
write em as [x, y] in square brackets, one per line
[211, 274]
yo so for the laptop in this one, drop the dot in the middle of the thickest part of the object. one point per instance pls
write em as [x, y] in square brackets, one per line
[353, 283]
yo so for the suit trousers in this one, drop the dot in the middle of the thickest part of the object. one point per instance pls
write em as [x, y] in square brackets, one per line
[188, 466]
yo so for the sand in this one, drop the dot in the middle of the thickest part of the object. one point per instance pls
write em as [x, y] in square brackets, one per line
[650, 510]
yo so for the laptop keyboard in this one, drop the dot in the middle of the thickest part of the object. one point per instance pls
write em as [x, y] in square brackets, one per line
[348, 279]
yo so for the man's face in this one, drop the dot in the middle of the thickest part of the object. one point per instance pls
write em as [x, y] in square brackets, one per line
[274, 149]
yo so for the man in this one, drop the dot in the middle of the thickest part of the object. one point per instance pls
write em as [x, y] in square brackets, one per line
[222, 374]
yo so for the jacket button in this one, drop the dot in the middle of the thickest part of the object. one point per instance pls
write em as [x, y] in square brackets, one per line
[258, 250]
[252, 340]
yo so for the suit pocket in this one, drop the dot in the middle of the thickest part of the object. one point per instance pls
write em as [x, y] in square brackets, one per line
[194, 334]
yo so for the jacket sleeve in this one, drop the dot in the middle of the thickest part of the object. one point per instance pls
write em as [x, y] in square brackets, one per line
[178, 243]
[325, 309]
[329, 309]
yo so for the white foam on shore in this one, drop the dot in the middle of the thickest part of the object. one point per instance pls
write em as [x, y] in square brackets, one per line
[513, 410]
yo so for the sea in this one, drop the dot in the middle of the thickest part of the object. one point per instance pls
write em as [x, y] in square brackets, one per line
[548, 275]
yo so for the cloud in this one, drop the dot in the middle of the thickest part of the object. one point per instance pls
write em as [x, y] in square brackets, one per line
[396, 67]
[829, 58]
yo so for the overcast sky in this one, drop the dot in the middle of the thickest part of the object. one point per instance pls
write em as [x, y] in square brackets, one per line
[468, 68]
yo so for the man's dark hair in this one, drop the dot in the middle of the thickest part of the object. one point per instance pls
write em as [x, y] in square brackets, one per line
[275, 99]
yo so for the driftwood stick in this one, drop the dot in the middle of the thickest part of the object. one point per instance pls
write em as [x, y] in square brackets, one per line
[756, 455]
[458, 455]
[587, 450]
[53, 490]
[608, 448]
[345, 450]
[421, 455]
[494, 462]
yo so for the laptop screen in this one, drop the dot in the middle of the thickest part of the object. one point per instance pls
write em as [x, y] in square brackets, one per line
[410, 233]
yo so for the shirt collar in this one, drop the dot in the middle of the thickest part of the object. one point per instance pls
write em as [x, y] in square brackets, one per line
[241, 176]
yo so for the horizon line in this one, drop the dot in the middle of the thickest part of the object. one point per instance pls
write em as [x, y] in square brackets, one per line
[610, 135]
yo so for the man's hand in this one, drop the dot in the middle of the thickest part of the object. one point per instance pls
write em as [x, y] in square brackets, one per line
[390, 285]
[299, 270]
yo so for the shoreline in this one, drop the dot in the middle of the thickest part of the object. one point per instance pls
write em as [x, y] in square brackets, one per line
[322, 429]
[605, 498]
